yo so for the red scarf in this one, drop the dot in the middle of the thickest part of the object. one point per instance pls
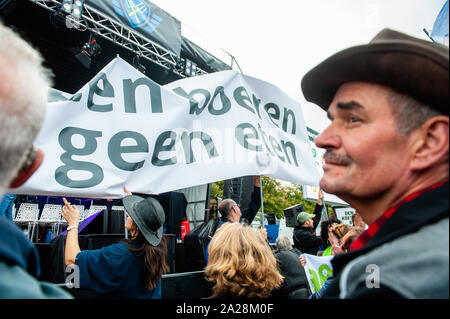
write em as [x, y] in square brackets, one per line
[370, 232]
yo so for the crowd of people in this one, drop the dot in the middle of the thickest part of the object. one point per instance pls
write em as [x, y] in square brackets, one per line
[386, 155]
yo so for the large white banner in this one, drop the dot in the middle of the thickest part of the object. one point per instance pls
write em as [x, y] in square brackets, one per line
[318, 269]
[121, 128]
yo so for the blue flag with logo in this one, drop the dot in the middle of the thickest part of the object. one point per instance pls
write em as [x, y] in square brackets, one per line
[440, 28]
[145, 18]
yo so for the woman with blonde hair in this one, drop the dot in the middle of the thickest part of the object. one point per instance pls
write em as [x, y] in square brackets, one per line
[338, 232]
[241, 264]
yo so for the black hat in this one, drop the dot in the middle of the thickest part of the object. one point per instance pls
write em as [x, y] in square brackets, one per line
[148, 215]
[415, 67]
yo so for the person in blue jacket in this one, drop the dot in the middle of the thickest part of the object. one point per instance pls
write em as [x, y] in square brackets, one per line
[131, 268]
[6, 206]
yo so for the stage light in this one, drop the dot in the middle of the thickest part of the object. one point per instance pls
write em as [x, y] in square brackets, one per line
[88, 53]
[74, 8]
[66, 6]
[190, 68]
[77, 10]
[194, 69]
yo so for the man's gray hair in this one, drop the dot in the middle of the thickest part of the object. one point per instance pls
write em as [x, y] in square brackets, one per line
[225, 207]
[283, 243]
[409, 112]
[24, 84]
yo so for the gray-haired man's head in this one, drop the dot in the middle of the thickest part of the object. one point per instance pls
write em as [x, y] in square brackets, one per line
[23, 95]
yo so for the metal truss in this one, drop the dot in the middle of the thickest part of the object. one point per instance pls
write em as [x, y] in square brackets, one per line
[103, 26]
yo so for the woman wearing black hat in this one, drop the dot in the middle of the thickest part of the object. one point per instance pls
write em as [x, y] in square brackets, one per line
[129, 269]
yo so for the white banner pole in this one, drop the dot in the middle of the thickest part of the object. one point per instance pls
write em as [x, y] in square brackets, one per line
[262, 201]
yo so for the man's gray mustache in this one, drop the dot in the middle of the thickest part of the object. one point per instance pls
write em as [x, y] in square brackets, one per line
[337, 159]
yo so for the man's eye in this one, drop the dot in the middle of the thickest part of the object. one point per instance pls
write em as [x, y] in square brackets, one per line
[353, 119]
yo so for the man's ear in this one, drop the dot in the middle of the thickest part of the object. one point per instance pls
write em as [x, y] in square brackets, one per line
[432, 143]
[32, 162]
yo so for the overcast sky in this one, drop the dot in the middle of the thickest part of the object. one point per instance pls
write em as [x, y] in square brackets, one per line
[279, 41]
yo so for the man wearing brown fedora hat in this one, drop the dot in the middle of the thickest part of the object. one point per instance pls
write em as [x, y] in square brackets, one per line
[387, 156]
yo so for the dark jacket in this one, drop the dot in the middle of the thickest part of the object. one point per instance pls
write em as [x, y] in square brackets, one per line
[304, 238]
[407, 258]
[295, 284]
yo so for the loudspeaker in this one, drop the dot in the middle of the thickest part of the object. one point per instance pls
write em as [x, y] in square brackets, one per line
[174, 205]
[245, 196]
[232, 189]
[291, 214]
[116, 222]
[239, 189]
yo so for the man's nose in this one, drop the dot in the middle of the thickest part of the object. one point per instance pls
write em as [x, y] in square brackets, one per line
[328, 139]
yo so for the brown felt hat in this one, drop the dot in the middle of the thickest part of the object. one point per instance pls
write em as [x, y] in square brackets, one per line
[406, 64]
